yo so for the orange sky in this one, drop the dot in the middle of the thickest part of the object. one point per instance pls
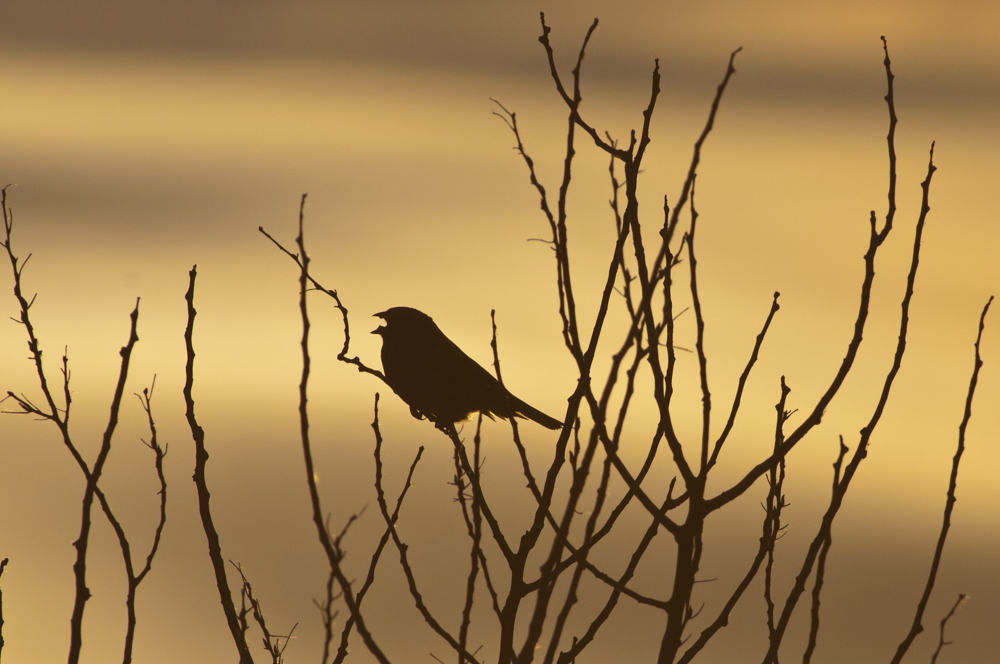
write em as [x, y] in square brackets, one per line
[143, 139]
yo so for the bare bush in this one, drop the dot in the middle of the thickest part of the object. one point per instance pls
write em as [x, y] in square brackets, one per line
[533, 610]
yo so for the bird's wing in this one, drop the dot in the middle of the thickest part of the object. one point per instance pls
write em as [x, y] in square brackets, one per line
[491, 397]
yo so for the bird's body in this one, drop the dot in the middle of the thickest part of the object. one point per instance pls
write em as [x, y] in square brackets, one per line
[439, 381]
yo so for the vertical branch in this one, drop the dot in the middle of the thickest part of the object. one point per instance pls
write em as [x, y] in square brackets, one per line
[201, 483]
[52, 413]
[516, 561]
[581, 565]
[775, 504]
[668, 229]
[135, 579]
[330, 548]
[662, 385]
[559, 543]
[404, 563]
[876, 239]
[890, 139]
[332, 555]
[632, 162]
[342, 652]
[821, 565]
[327, 614]
[510, 119]
[474, 521]
[82, 542]
[706, 395]
[917, 627]
[630, 224]
[689, 536]
[3, 566]
[769, 532]
[861, 452]
[561, 237]
[473, 525]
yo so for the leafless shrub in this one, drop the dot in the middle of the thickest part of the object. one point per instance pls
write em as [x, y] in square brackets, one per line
[57, 411]
[532, 610]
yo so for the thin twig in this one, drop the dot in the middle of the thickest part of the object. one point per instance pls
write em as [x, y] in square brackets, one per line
[821, 565]
[332, 554]
[201, 483]
[3, 565]
[404, 562]
[342, 652]
[743, 381]
[342, 355]
[876, 239]
[944, 622]
[473, 525]
[706, 395]
[271, 641]
[861, 451]
[775, 505]
[949, 506]
[145, 399]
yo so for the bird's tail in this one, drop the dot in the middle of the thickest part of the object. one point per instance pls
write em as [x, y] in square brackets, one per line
[524, 410]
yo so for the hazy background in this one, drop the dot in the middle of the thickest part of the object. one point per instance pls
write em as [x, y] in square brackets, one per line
[145, 137]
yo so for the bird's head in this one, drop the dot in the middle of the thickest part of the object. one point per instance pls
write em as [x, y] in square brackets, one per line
[403, 320]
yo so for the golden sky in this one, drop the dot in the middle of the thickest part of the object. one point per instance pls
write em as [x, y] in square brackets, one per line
[144, 138]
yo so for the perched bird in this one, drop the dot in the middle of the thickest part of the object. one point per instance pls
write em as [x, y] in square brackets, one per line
[436, 379]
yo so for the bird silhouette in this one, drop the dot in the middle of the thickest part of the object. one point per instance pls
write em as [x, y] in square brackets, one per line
[439, 381]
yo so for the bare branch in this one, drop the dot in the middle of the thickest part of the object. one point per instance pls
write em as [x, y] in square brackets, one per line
[332, 554]
[743, 381]
[390, 522]
[875, 240]
[861, 451]
[272, 642]
[342, 356]
[706, 395]
[821, 565]
[3, 565]
[574, 102]
[201, 483]
[917, 627]
[944, 622]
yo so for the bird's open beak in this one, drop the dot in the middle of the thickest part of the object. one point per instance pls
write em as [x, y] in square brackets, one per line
[381, 328]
